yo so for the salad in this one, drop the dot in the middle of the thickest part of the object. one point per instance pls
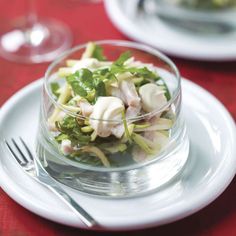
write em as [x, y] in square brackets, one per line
[111, 113]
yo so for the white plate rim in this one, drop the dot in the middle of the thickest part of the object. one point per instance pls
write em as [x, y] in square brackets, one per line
[122, 22]
[217, 187]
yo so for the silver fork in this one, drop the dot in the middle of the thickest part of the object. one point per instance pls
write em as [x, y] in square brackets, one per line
[33, 167]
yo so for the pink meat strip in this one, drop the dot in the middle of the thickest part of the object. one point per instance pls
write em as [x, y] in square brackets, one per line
[86, 107]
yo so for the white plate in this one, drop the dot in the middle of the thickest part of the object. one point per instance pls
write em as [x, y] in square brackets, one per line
[211, 167]
[150, 30]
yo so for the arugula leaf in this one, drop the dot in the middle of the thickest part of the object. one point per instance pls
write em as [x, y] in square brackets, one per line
[82, 83]
[54, 88]
[98, 53]
[89, 84]
[76, 85]
[104, 74]
[100, 89]
[85, 76]
[142, 72]
[91, 95]
[118, 67]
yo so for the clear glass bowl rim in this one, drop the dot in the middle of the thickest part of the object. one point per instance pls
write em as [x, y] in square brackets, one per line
[122, 43]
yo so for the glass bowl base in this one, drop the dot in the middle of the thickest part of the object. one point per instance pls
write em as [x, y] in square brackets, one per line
[132, 181]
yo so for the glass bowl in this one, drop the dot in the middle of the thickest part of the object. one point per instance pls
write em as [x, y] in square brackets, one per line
[126, 176]
[206, 17]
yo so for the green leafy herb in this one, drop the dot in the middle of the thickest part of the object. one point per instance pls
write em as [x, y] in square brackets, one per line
[86, 76]
[167, 93]
[100, 89]
[119, 67]
[122, 58]
[161, 82]
[87, 84]
[104, 75]
[54, 88]
[98, 53]
[142, 72]
[59, 138]
[71, 130]
[76, 85]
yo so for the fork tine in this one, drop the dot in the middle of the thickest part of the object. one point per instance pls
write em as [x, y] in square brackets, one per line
[19, 150]
[13, 153]
[27, 149]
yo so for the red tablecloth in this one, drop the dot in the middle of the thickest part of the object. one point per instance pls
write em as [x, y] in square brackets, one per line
[90, 22]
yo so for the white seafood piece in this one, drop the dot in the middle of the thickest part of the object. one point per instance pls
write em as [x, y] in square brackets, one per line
[90, 63]
[129, 93]
[139, 155]
[86, 107]
[133, 111]
[131, 62]
[161, 140]
[75, 65]
[157, 124]
[66, 147]
[161, 124]
[118, 130]
[126, 91]
[116, 92]
[106, 108]
[152, 97]
[156, 140]
[150, 135]
[124, 76]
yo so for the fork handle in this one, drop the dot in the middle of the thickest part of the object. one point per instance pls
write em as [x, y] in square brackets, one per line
[86, 218]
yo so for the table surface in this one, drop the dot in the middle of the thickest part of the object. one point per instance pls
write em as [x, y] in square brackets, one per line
[88, 21]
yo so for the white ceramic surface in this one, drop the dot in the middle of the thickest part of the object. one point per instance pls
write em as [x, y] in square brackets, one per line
[150, 30]
[211, 167]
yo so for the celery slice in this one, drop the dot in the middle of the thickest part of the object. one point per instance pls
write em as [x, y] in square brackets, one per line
[98, 153]
[64, 96]
[141, 142]
[71, 63]
[127, 134]
[121, 147]
[87, 129]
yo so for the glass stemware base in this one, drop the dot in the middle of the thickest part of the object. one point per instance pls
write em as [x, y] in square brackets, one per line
[42, 42]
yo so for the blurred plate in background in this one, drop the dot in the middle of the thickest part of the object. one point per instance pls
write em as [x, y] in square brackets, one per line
[149, 29]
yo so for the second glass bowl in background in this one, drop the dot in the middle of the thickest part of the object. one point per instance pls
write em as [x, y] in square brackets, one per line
[202, 17]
